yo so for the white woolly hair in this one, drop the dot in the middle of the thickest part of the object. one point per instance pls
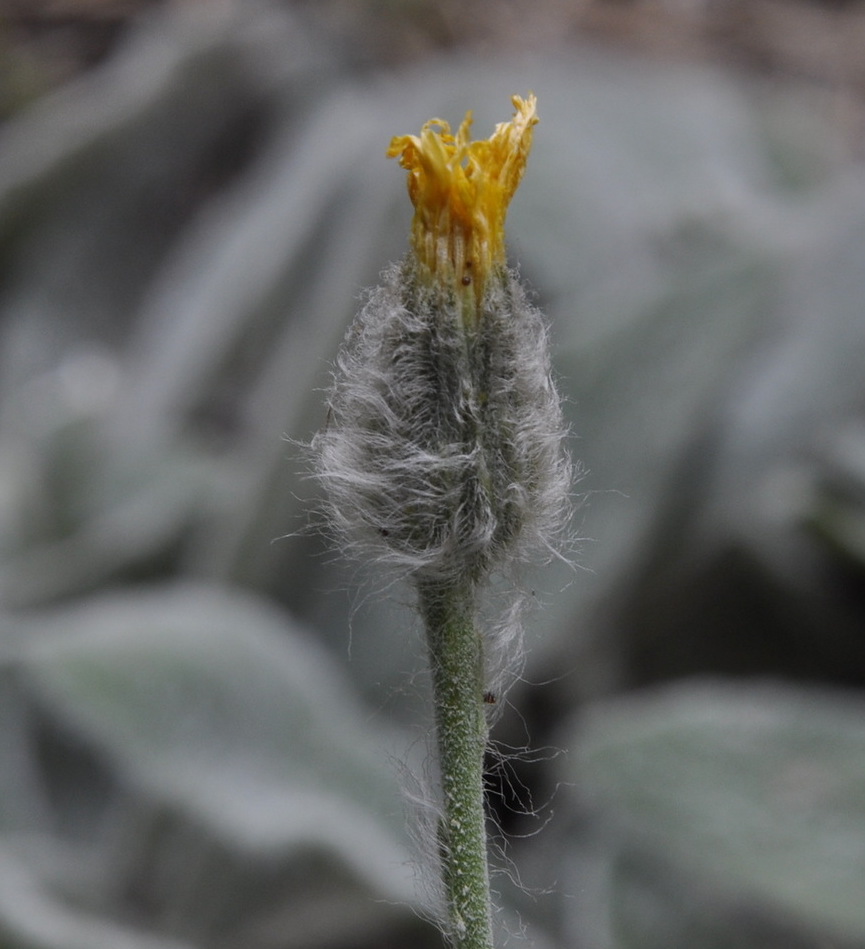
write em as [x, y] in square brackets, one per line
[444, 455]
[444, 460]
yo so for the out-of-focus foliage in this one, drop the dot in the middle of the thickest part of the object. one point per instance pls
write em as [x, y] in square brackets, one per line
[721, 816]
[194, 762]
[195, 725]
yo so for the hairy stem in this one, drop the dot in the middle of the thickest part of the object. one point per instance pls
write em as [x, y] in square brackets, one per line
[456, 658]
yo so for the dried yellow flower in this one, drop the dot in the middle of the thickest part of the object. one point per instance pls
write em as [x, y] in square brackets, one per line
[461, 190]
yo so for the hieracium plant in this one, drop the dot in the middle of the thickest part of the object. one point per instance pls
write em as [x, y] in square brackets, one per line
[444, 458]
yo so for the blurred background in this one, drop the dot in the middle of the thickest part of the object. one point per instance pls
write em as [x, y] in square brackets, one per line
[209, 719]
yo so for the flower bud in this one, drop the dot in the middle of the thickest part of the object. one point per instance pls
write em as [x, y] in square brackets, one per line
[444, 451]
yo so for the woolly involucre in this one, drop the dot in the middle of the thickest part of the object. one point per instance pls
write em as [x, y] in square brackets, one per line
[444, 456]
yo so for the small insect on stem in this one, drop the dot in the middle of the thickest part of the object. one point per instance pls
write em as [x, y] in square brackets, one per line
[489, 698]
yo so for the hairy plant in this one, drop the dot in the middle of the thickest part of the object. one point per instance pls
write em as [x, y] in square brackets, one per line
[444, 455]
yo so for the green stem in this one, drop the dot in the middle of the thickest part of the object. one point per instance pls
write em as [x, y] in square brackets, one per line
[456, 658]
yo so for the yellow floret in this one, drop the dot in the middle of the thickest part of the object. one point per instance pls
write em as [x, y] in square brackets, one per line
[461, 191]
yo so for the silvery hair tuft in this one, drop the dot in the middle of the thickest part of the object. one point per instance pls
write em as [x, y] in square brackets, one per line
[444, 455]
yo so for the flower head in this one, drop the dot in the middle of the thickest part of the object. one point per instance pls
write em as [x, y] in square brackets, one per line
[445, 451]
[461, 190]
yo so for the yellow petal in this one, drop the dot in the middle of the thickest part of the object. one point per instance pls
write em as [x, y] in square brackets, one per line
[461, 191]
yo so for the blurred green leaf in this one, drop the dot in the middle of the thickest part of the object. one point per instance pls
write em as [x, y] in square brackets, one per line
[727, 815]
[241, 784]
